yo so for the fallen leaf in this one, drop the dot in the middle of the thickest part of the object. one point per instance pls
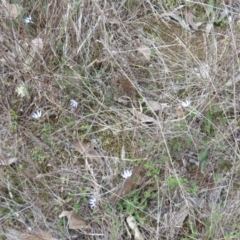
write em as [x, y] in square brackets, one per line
[154, 105]
[179, 111]
[189, 18]
[130, 183]
[178, 19]
[177, 220]
[123, 190]
[9, 57]
[38, 236]
[37, 44]
[142, 117]
[133, 225]
[179, 217]
[12, 10]
[87, 151]
[73, 221]
[145, 51]
[8, 162]
[20, 52]
[13, 234]
[209, 28]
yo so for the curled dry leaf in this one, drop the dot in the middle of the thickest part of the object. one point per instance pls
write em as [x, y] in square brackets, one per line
[133, 225]
[73, 221]
[87, 151]
[8, 162]
[145, 51]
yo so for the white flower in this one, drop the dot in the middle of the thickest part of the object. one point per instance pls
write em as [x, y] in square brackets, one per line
[126, 173]
[186, 103]
[37, 114]
[73, 103]
[92, 202]
[28, 19]
[22, 90]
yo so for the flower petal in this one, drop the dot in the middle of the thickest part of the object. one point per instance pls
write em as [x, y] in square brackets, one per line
[36, 114]
[186, 103]
[73, 103]
[126, 173]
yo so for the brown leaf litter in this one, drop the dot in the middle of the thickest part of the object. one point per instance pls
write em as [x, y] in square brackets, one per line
[13, 234]
[130, 183]
[87, 151]
[74, 222]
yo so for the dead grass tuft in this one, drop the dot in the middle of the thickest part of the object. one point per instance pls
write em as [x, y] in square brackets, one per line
[129, 65]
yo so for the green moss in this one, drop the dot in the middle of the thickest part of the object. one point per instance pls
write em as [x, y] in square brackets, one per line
[173, 182]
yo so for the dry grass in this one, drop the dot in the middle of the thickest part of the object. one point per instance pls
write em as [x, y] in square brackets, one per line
[128, 68]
